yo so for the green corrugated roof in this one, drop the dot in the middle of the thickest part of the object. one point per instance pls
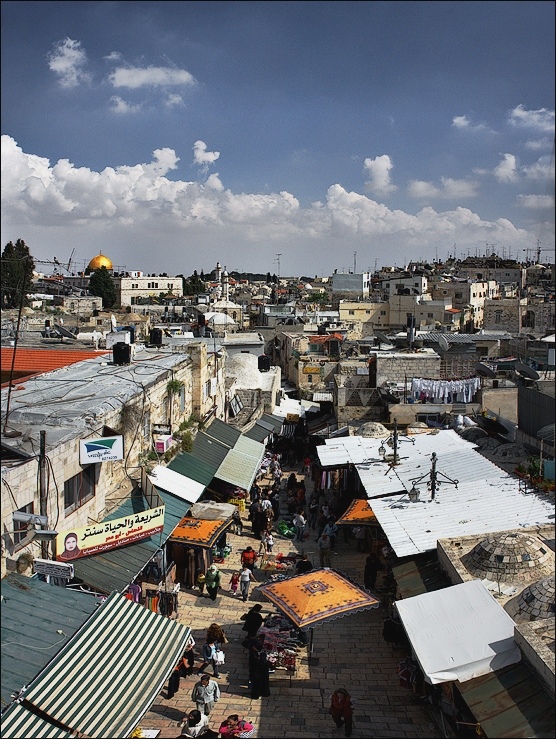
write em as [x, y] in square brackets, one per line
[258, 433]
[31, 613]
[122, 639]
[276, 421]
[209, 451]
[192, 467]
[221, 431]
[115, 569]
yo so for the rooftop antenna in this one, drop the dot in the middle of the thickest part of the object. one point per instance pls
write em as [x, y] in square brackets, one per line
[278, 260]
[354, 262]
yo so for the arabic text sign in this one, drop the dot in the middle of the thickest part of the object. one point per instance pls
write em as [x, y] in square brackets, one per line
[100, 537]
[55, 569]
[103, 449]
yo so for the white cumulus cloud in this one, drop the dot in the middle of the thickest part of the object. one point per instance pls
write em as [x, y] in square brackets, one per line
[506, 171]
[536, 202]
[67, 60]
[449, 189]
[201, 156]
[541, 119]
[121, 107]
[463, 123]
[378, 170]
[542, 169]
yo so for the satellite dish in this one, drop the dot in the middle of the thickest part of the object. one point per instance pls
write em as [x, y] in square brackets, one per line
[65, 333]
[484, 370]
[382, 338]
[525, 371]
[443, 343]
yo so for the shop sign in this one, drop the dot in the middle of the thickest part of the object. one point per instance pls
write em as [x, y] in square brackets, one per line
[161, 428]
[54, 569]
[104, 449]
[100, 537]
[292, 417]
[311, 370]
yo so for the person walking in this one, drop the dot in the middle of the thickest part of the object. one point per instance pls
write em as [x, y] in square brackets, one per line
[196, 724]
[299, 522]
[234, 583]
[245, 578]
[303, 565]
[313, 511]
[360, 538]
[205, 694]
[331, 530]
[372, 566]
[323, 545]
[269, 542]
[341, 710]
[209, 657]
[217, 634]
[188, 659]
[212, 581]
[174, 680]
[253, 620]
[249, 558]
[201, 578]
[260, 680]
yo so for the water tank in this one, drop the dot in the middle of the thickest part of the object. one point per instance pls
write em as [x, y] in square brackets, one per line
[155, 337]
[264, 363]
[131, 332]
[121, 353]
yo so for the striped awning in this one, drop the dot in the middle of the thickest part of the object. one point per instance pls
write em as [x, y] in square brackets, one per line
[105, 679]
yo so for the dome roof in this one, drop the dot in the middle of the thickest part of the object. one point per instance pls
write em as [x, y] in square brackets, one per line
[100, 261]
[537, 601]
[510, 558]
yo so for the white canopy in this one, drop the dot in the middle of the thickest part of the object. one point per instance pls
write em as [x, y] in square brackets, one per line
[459, 633]
[179, 485]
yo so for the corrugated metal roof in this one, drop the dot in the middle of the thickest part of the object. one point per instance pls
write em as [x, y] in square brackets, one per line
[115, 569]
[121, 638]
[251, 448]
[275, 421]
[238, 469]
[486, 499]
[209, 451]
[259, 432]
[421, 574]
[34, 361]
[222, 432]
[191, 466]
[348, 450]
[179, 485]
[31, 613]
[511, 702]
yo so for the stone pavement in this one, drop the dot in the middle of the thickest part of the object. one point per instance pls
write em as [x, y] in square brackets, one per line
[349, 652]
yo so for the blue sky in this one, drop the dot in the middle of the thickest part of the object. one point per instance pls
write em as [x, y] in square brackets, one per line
[172, 135]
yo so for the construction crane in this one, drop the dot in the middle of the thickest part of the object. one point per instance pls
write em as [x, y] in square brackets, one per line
[537, 251]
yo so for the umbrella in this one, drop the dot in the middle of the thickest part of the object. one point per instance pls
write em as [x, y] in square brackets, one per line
[318, 596]
[199, 532]
[359, 513]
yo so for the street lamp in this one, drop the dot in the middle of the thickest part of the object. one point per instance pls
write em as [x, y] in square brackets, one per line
[433, 482]
[393, 442]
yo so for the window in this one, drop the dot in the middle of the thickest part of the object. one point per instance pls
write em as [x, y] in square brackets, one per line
[351, 312]
[22, 533]
[309, 379]
[80, 488]
[498, 316]
[368, 312]
[430, 315]
[382, 312]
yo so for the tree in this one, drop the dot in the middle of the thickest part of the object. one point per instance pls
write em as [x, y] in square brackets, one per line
[17, 273]
[102, 285]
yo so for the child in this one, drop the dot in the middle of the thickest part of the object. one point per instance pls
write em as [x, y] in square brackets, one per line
[238, 523]
[201, 581]
[269, 542]
[234, 583]
[263, 546]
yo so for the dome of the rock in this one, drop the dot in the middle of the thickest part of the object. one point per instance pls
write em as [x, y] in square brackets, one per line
[101, 260]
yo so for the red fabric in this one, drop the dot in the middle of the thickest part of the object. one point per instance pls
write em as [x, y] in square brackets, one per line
[340, 705]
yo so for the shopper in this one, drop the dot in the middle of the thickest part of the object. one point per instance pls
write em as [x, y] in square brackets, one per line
[188, 659]
[360, 538]
[209, 657]
[205, 694]
[253, 620]
[235, 726]
[299, 522]
[249, 558]
[234, 583]
[341, 710]
[260, 682]
[323, 545]
[372, 567]
[303, 565]
[212, 581]
[217, 633]
[244, 581]
[196, 724]
[331, 530]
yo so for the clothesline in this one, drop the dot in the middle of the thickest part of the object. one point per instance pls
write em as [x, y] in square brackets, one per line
[445, 391]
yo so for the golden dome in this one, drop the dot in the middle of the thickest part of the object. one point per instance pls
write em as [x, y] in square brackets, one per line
[100, 261]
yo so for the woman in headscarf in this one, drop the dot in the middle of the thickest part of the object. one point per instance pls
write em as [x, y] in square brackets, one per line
[212, 581]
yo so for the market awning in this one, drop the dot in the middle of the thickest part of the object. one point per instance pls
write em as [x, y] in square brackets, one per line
[421, 574]
[242, 463]
[318, 596]
[359, 513]
[459, 633]
[106, 677]
[174, 482]
[511, 702]
[199, 532]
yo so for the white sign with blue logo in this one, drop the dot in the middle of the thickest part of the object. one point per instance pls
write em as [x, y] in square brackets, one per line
[105, 449]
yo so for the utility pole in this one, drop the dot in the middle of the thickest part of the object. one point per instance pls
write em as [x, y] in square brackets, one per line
[43, 500]
[278, 260]
[354, 262]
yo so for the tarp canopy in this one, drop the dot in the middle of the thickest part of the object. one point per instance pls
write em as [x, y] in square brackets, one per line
[318, 596]
[78, 691]
[199, 532]
[174, 482]
[459, 633]
[359, 513]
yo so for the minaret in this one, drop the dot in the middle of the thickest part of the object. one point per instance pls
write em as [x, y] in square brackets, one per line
[218, 272]
[225, 286]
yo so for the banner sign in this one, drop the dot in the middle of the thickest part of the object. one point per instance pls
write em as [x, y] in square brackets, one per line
[104, 449]
[100, 537]
[311, 370]
[55, 569]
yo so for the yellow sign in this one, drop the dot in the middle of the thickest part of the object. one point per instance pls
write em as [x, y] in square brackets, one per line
[100, 537]
[311, 370]
[292, 417]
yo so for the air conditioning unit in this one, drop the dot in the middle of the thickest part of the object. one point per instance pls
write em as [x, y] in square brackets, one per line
[163, 443]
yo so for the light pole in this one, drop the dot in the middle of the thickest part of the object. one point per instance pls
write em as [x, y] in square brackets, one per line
[393, 441]
[433, 482]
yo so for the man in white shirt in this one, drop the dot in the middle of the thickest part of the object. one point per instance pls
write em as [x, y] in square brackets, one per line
[245, 578]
